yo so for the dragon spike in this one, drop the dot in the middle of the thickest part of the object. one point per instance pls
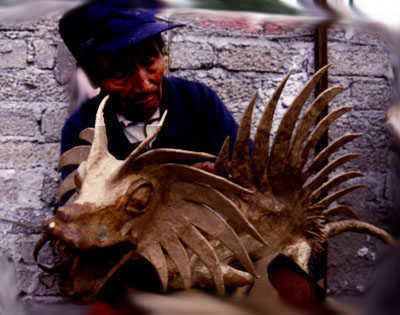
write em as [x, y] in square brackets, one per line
[214, 225]
[87, 135]
[321, 158]
[335, 228]
[240, 165]
[222, 164]
[192, 174]
[313, 112]
[178, 255]
[325, 202]
[341, 210]
[320, 177]
[74, 156]
[261, 141]
[66, 185]
[99, 145]
[154, 254]
[203, 249]
[319, 130]
[162, 156]
[279, 151]
[335, 181]
[223, 205]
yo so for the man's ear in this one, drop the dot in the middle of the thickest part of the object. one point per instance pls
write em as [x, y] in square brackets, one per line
[293, 284]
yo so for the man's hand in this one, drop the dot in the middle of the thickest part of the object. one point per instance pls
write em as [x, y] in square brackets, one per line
[205, 166]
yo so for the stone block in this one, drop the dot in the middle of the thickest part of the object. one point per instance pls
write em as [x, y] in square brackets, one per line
[50, 187]
[355, 34]
[241, 25]
[363, 93]
[64, 64]
[191, 54]
[265, 56]
[20, 189]
[45, 53]
[373, 145]
[27, 278]
[343, 261]
[358, 60]
[30, 85]
[13, 54]
[24, 247]
[20, 120]
[25, 155]
[54, 117]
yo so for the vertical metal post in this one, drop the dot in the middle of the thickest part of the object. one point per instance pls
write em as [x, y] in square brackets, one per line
[318, 266]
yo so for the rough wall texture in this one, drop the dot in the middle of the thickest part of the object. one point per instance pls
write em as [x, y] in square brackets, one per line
[234, 57]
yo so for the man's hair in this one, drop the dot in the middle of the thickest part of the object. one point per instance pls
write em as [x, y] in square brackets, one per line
[92, 63]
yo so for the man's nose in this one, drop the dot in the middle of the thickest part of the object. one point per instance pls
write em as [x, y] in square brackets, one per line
[142, 80]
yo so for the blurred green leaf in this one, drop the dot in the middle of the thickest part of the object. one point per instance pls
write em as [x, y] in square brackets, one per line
[264, 6]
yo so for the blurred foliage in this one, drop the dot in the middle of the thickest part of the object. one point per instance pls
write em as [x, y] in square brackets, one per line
[265, 6]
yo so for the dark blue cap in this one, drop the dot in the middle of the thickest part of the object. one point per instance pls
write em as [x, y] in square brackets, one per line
[110, 25]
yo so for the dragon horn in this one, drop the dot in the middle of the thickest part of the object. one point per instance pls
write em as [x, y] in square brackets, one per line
[100, 143]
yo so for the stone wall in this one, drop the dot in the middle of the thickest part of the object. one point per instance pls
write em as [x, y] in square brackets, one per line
[234, 57]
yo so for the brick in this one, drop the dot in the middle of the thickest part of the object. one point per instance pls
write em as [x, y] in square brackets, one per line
[45, 53]
[343, 261]
[267, 56]
[13, 54]
[64, 64]
[30, 85]
[28, 155]
[27, 278]
[193, 54]
[53, 120]
[358, 60]
[370, 124]
[240, 25]
[50, 187]
[363, 93]
[355, 34]
[20, 120]
[21, 189]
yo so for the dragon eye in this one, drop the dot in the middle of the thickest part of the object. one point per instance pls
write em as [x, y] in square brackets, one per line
[139, 199]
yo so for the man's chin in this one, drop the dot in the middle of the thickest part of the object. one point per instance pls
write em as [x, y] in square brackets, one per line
[139, 111]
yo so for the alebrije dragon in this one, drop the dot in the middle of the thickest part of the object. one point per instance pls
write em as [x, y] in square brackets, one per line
[195, 227]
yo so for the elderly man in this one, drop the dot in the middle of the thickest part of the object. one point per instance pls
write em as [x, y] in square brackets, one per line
[121, 49]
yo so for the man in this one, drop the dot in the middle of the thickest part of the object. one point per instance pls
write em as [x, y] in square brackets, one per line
[121, 49]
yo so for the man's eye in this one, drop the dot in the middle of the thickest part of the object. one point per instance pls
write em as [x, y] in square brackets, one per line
[147, 61]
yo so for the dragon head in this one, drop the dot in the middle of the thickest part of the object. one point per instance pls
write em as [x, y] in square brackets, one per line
[109, 194]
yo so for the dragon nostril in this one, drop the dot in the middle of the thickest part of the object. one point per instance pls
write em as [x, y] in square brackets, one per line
[139, 199]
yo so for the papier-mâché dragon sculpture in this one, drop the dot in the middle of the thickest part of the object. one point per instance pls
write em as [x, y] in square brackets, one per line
[197, 228]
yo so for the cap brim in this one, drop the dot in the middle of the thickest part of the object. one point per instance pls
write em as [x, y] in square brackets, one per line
[133, 36]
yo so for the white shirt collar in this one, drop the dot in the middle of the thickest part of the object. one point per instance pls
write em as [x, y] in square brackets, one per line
[138, 131]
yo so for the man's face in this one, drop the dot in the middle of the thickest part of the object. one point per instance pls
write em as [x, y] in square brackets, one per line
[134, 77]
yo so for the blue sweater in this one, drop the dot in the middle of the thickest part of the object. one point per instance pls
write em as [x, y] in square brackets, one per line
[197, 120]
